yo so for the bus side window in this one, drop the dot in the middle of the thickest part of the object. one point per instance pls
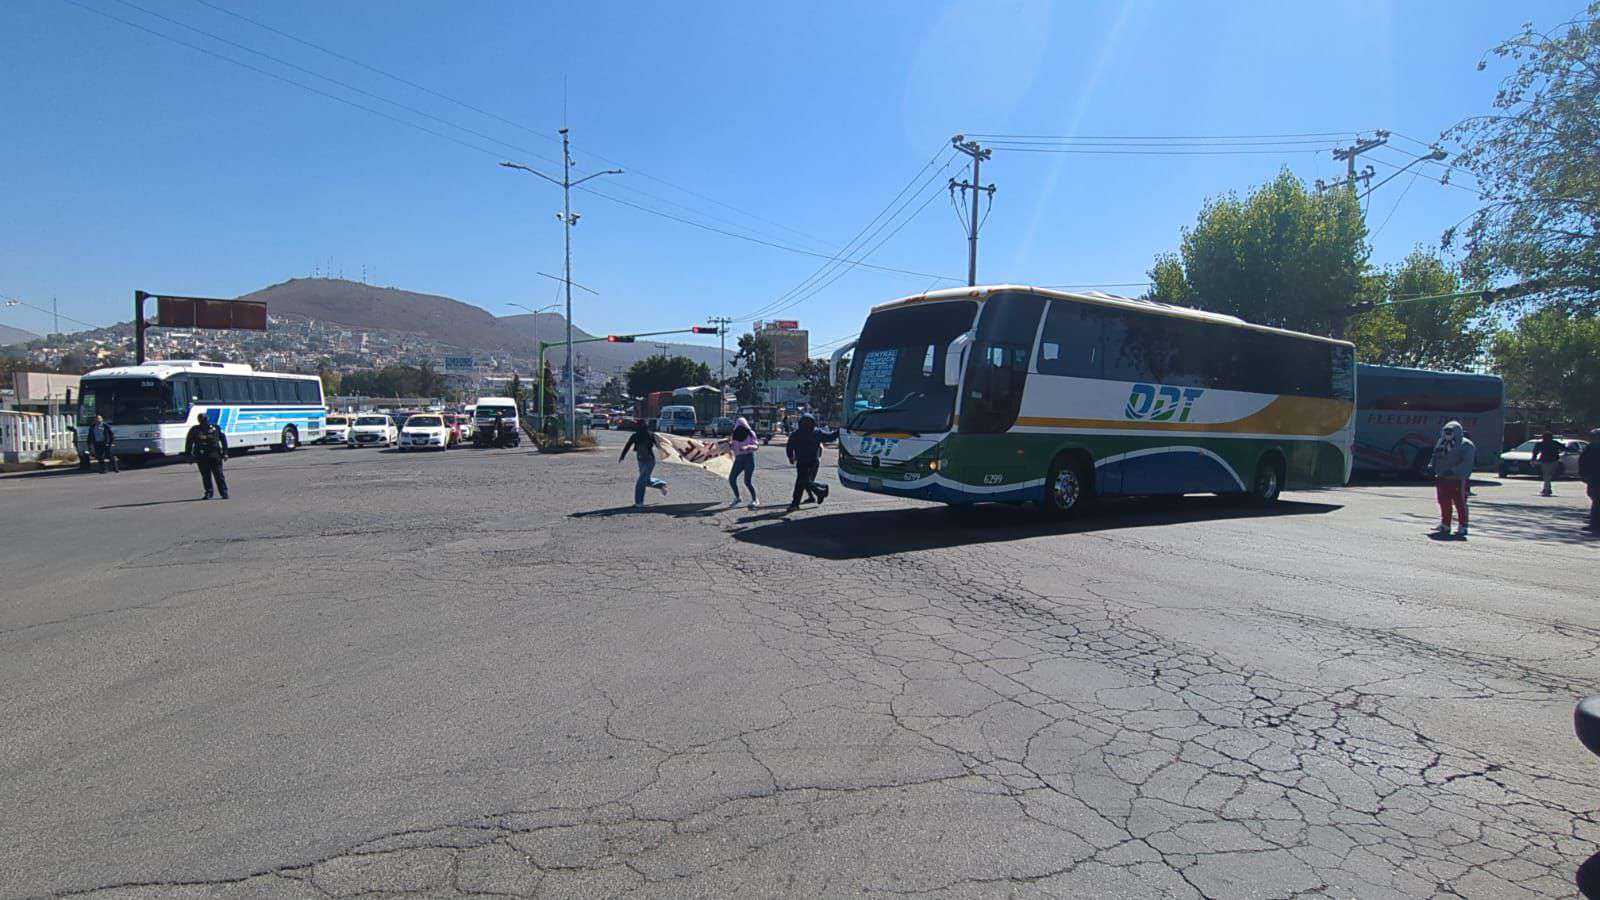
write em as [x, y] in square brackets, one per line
[261, 390]
[1070, 344]
[285, 390]
[235, 389]
[306, 392]
[207, 388]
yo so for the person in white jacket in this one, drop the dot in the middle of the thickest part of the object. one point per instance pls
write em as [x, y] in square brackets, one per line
[1453, 458]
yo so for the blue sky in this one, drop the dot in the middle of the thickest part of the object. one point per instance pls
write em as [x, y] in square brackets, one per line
[131, 161]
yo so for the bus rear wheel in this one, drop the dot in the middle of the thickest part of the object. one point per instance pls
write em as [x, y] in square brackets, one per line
[1268, 483]
[1067, 488]
[290, 440]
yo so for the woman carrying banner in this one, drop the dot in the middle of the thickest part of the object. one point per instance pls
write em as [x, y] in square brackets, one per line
[643, 444]
[743, 442]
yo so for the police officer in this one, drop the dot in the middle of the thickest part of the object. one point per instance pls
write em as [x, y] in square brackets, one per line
[208, 447]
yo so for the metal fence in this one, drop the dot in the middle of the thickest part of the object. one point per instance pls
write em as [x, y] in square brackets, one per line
[26, 436]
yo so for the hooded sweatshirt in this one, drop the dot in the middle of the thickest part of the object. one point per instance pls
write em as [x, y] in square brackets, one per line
[1454, 454]
[749, 444]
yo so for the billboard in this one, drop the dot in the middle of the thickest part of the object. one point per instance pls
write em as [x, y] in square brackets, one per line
[459, 364]
[194, 312]
[786, 324]
[790, 345]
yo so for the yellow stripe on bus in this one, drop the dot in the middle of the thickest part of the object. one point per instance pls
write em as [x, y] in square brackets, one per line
[1285, 415]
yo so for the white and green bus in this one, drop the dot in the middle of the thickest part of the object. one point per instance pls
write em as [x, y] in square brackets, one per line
[1014, 394]
[151, 407]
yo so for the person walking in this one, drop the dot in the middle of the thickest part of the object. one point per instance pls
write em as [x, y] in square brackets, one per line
[805, 453]
[1589, 471]
[643, 444]
[1547, 453]
[743, 442]
[102, 442]
[1453, 457]
[207, 445]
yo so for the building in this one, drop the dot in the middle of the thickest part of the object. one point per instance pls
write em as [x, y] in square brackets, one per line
[791, 346]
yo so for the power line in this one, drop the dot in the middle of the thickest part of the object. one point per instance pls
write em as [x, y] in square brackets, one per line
[1143, 152]
[1158, 137]
[495, 116]
[17, 301]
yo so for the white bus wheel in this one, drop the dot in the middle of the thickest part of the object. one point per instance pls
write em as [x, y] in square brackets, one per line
[1268, 482]
[1067, 488]
[289, 441]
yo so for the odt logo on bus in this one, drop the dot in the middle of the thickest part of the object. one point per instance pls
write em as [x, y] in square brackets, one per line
[1161, 403]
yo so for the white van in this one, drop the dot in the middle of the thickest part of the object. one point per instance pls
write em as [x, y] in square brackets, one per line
[677, 420]
[483, 430]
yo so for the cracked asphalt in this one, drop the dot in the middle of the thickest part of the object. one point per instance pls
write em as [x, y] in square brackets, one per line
[477, 673]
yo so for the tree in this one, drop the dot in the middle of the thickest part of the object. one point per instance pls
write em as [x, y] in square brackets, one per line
[1430, 334]
[330, 381]
[1549, 357]
[550, 392]
[1535, 163]
[613, 393]
[758, 364]
[515, 390]
[825, 398]
[665, 373]
[1281, 256]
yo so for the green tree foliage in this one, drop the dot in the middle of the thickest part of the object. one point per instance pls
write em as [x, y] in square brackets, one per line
[550, 390]
[1549, 358]
[665, 373]
[1430, 334]
[613, 392]
[758, 364]
[393, 381]
[1536, 165]
[518, 396]
[330, 381]
[1280, 256]
[825, 399]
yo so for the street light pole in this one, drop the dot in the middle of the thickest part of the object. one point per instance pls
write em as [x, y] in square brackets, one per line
[567, 220]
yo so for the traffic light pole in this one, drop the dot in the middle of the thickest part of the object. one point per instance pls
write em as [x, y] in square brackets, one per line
[611, 339]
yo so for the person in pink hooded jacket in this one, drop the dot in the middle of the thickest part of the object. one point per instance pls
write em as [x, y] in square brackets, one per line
[743, 442]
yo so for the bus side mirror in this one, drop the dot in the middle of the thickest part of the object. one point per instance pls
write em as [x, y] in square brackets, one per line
[954, 357]
[833, 361]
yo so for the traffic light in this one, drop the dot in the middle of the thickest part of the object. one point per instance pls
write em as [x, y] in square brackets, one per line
[619, 338]
[704, 329]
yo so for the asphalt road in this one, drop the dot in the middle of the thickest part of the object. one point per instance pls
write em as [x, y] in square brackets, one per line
[480, 672]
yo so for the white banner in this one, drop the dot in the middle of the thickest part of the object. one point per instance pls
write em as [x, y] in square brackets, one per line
[713, 456]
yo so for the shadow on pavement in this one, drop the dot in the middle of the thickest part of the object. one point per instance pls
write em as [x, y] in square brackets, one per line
[149, 503]
[1588, 878]
[1533, 522]
[861, 535]
[676, 510]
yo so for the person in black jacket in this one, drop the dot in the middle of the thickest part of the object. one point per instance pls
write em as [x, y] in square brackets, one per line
[102, 442]
[207, 445]
[1589, 471]
[1547, 453]
[805, 452]
[643, 444]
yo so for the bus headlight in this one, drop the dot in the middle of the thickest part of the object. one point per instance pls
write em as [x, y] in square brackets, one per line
[933, 465]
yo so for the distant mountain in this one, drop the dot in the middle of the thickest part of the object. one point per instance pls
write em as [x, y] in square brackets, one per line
[370, 308]
[9, 336]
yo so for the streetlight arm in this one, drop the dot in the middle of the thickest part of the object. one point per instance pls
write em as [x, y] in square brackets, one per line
[1435, 156]
[596, 175]
[512, 165]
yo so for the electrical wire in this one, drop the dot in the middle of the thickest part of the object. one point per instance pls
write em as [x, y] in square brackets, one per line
[1416, 173]
[1452, 184]
[1161, 137]
[49, 312]
[499, 118]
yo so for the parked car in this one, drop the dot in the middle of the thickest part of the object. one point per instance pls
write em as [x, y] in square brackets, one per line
[376, 430]
[425, 431]
[335, 429]
[677, 420]
[461, 427]
[721, 426]
[1519, 459]
[599, 419]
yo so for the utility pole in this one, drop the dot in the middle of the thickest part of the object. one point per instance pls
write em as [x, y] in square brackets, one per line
[568, 219]
[978, 154]
[722, 323]
[1349, 154]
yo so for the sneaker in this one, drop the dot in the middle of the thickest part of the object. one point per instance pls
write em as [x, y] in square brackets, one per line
[1442, 529]
[753, 505]
[1547, 493]
[1461, 532]
[662, 487]
[638, 506]
[793, 507]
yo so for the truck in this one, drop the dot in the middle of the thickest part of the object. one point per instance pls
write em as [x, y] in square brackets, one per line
[706, 400]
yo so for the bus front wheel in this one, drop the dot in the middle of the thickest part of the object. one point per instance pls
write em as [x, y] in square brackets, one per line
[1268, 483]
[291, 440]
[1067, 488]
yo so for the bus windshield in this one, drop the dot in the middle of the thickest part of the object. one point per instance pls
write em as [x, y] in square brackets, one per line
[897, 371]
[130, 401]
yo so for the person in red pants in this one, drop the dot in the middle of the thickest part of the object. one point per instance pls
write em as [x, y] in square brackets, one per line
[1453, 457]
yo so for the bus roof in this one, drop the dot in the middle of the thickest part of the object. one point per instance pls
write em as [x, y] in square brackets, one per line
[982, 292]
[166, 368]
[1406, 372]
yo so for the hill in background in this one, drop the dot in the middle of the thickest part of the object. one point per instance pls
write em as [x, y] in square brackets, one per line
[9, 336]
[449, 321]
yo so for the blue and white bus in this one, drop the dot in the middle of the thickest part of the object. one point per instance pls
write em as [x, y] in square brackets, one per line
[152, 406]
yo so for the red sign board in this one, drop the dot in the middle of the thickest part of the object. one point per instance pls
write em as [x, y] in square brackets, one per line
[786, 324]
[195, 312]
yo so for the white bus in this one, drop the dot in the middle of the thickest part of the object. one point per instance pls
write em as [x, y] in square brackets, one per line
[151, 407]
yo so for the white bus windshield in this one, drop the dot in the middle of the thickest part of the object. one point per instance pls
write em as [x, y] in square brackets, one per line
[897, 372]
[130, 401]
